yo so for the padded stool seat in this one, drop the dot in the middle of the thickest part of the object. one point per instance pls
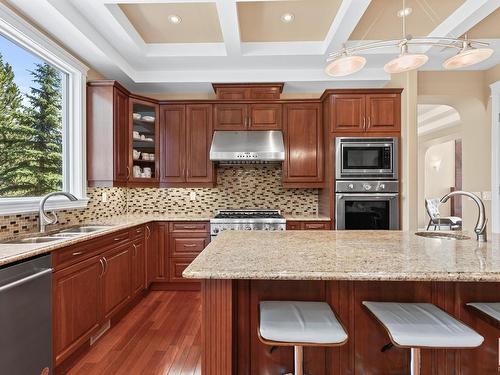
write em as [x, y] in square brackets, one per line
[423, 325]
[300, 322]
[492, 309]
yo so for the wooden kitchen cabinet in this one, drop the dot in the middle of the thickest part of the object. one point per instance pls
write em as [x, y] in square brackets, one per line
[248, 91]
[186, 135]
[151, 250]
[256, 116]
[308, 225]
[138, 266]
[230, 116]
[303, 136]
[107, 134]
[116, 280]
[365, 112]
[76, 306]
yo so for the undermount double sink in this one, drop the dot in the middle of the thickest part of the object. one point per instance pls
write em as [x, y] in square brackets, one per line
[63, 234]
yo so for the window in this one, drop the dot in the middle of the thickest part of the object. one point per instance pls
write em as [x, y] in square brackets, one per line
[42, 143]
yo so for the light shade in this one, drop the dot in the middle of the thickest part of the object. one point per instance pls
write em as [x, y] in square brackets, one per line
[405, 62]
[467, 57]
[345, 65]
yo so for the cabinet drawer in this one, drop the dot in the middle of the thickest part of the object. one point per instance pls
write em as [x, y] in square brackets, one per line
[293, 225]
[76, 253]
[190, 227]
[316, 225]
[177, 266]
[137, 232]
[192, 246]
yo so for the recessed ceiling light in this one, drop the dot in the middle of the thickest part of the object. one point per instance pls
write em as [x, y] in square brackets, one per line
[287, 17]
[404, 12]
[174, 19]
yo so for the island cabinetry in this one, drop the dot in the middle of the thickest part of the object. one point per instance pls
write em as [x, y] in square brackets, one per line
[308, 225]
[303, 136]
[230, 320]
[186, 135]
[241, 116]
[369, 111]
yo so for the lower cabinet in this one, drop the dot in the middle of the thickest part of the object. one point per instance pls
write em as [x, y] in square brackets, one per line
[116, 279]
[76, 305]
[308, 225]
[138, 266]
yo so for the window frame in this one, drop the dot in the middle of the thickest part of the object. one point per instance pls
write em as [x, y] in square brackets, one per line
[15, 28]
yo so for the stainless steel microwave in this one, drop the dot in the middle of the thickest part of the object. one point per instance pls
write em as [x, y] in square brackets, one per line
[366, 158]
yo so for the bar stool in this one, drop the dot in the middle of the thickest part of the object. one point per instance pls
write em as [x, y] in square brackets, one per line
[299, 324]
[490, 311]
[422, 325]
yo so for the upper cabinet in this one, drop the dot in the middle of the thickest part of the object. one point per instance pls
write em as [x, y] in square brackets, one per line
[144, 142]
[365, 112]
[122, 142]
[248, 91]
[256, 116]
[186, 135]
[303, 135]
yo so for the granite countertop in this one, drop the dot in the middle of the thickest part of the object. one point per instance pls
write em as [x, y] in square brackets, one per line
[346, 255]
[10, 253]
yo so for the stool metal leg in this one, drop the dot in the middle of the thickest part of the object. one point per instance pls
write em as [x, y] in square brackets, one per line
[298, 359]
[415, 361]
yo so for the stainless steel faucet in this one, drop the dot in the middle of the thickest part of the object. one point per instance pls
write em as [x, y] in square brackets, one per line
[481, 220]
[45, 219]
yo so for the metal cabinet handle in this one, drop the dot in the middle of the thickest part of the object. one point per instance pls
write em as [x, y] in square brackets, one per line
[24, 280]
[105, 265]
[128, 172]
[103, 268]
[364, 122]
[118, 239]
[189, 245]
[135, 249]
[369, 121]
[77, 253]
[138, 230]
[249, 121]
[148, 232]
[189, 227]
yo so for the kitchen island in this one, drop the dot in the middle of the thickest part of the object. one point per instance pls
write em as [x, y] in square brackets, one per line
[343, 268]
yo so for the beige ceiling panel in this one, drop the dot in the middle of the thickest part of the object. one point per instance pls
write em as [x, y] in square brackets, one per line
[200, 22]
[488, 28]
[380, 20]
[260, 21]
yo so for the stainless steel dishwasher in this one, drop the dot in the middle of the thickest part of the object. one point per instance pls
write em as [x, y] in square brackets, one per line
[25, 318]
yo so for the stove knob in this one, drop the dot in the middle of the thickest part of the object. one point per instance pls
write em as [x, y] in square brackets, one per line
[350, 186]
[216, 230]
[367, 186]
[248, 228]
[382, 186]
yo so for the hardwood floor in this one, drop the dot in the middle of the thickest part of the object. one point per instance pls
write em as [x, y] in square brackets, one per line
[161, 335]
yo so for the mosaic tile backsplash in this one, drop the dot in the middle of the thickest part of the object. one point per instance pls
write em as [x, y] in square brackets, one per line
[243, 186]
[237, 187]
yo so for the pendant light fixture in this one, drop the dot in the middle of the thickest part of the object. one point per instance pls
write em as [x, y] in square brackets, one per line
[470, 52]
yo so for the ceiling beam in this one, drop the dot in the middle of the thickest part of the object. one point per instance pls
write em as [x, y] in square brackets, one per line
[470, 13]
[228, 18]
[344, 23]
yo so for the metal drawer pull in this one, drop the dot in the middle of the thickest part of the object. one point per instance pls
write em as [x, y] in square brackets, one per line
[148, 232]
[102, 267]
[77, 253]
[118, 239]
[135, 249]
[138, 230]
[190, 226]
[189, 245]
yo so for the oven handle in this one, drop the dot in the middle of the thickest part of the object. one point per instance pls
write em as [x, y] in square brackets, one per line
[372, 196]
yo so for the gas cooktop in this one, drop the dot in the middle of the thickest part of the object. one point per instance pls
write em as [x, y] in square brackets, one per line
[254, 219]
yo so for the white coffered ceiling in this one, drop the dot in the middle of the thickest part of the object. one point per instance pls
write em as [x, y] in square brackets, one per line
[245, 41]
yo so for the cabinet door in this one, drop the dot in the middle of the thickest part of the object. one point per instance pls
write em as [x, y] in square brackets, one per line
[383, 113]
[199, 168]
[120, 136]
[172, 143]
[151, 243]
[347, 113]
[116, 279]
[160, 237]
[76, 305]
[265, 93]
[264, 117]
[231, 116]
[233, 93]
[303, 134]
[177, 266]
[187, 245]
[138, 265]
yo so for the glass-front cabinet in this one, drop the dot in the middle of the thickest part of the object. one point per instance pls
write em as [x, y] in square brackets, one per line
[144, 142]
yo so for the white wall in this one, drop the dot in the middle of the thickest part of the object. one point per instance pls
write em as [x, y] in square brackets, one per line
[439, 170]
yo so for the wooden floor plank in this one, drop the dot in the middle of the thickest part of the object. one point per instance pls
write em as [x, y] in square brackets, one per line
[161, 335]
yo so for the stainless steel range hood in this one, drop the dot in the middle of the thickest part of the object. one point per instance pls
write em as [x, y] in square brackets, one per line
[240, 147]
